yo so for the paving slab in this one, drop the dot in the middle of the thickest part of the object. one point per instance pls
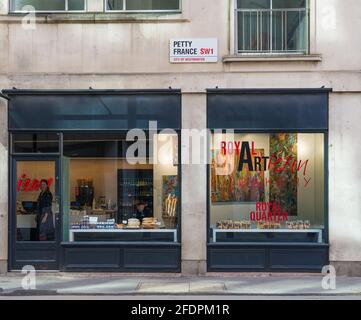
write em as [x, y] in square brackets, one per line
[163, 287]
[209, 287]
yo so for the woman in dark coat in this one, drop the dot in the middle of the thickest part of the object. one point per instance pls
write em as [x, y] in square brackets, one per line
[45, 220]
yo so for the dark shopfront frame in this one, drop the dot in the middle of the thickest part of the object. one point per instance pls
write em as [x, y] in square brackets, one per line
[271, 256]
[96, 256]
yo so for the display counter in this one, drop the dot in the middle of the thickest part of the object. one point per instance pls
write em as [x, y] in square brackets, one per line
[219, 235]
[122, 234]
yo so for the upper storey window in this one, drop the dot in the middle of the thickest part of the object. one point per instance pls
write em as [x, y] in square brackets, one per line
[143, 5]
[47, 5]
[272, 26]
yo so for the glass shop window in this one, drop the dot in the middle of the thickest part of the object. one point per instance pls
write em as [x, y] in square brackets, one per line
[35, 142]
[48, 5]
[119, 190]
[267, 187]
[143, 5]
[36, 200]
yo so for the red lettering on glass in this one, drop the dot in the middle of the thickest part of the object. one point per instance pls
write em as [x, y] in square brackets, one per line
[306, 181]
[237, 144]
[268, 211]
[27, 184]
[300, 165]
[20, 181]
[35, 185]
[254, 153]
[223, 147]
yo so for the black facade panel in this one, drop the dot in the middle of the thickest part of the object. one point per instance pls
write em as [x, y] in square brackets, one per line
[240, 258]
[48, 265]
[118, 257]
[150, 258]
[268, 109]
[34, 254]
[96, 110]
[43, 256]
[267, 257]
[294, 258]
[93, 258]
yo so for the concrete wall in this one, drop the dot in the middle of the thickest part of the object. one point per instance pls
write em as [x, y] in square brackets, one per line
[345, 177]
[194, 192]
[131, 51]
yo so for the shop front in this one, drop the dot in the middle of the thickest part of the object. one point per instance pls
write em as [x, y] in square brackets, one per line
[268, 180]
[94, 180]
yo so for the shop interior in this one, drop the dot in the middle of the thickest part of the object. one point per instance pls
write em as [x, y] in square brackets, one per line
[106, 189]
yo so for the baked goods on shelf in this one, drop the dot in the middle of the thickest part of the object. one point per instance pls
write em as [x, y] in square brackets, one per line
[298, 225]
[245, 224]
[230, 224]
[133, 223]
[307, 224]
[149, 223]
[263, 225]
[268, 225]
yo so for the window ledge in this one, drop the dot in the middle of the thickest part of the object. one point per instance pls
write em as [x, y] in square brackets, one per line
[273, 57]
[97, 17]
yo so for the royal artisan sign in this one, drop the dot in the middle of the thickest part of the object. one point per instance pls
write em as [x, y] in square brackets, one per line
[193, 50]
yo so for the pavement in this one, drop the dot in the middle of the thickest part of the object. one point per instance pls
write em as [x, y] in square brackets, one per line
[166, 286]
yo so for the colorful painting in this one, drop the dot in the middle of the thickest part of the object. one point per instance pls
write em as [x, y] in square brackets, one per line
[283, 184]
[230, 185]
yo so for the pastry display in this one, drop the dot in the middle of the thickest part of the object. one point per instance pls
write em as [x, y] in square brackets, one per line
[307, 224]
[133, 223]
[298, 225]
[264, 225]
[149, 223]
[268, 225]
[230, 224]
[245, 224]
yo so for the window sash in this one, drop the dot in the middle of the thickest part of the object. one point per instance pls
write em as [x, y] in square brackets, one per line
[66, 6]
[124, 9]
[272, 6]
[256, 30]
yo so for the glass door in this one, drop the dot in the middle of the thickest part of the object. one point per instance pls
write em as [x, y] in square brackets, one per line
[35, 212]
